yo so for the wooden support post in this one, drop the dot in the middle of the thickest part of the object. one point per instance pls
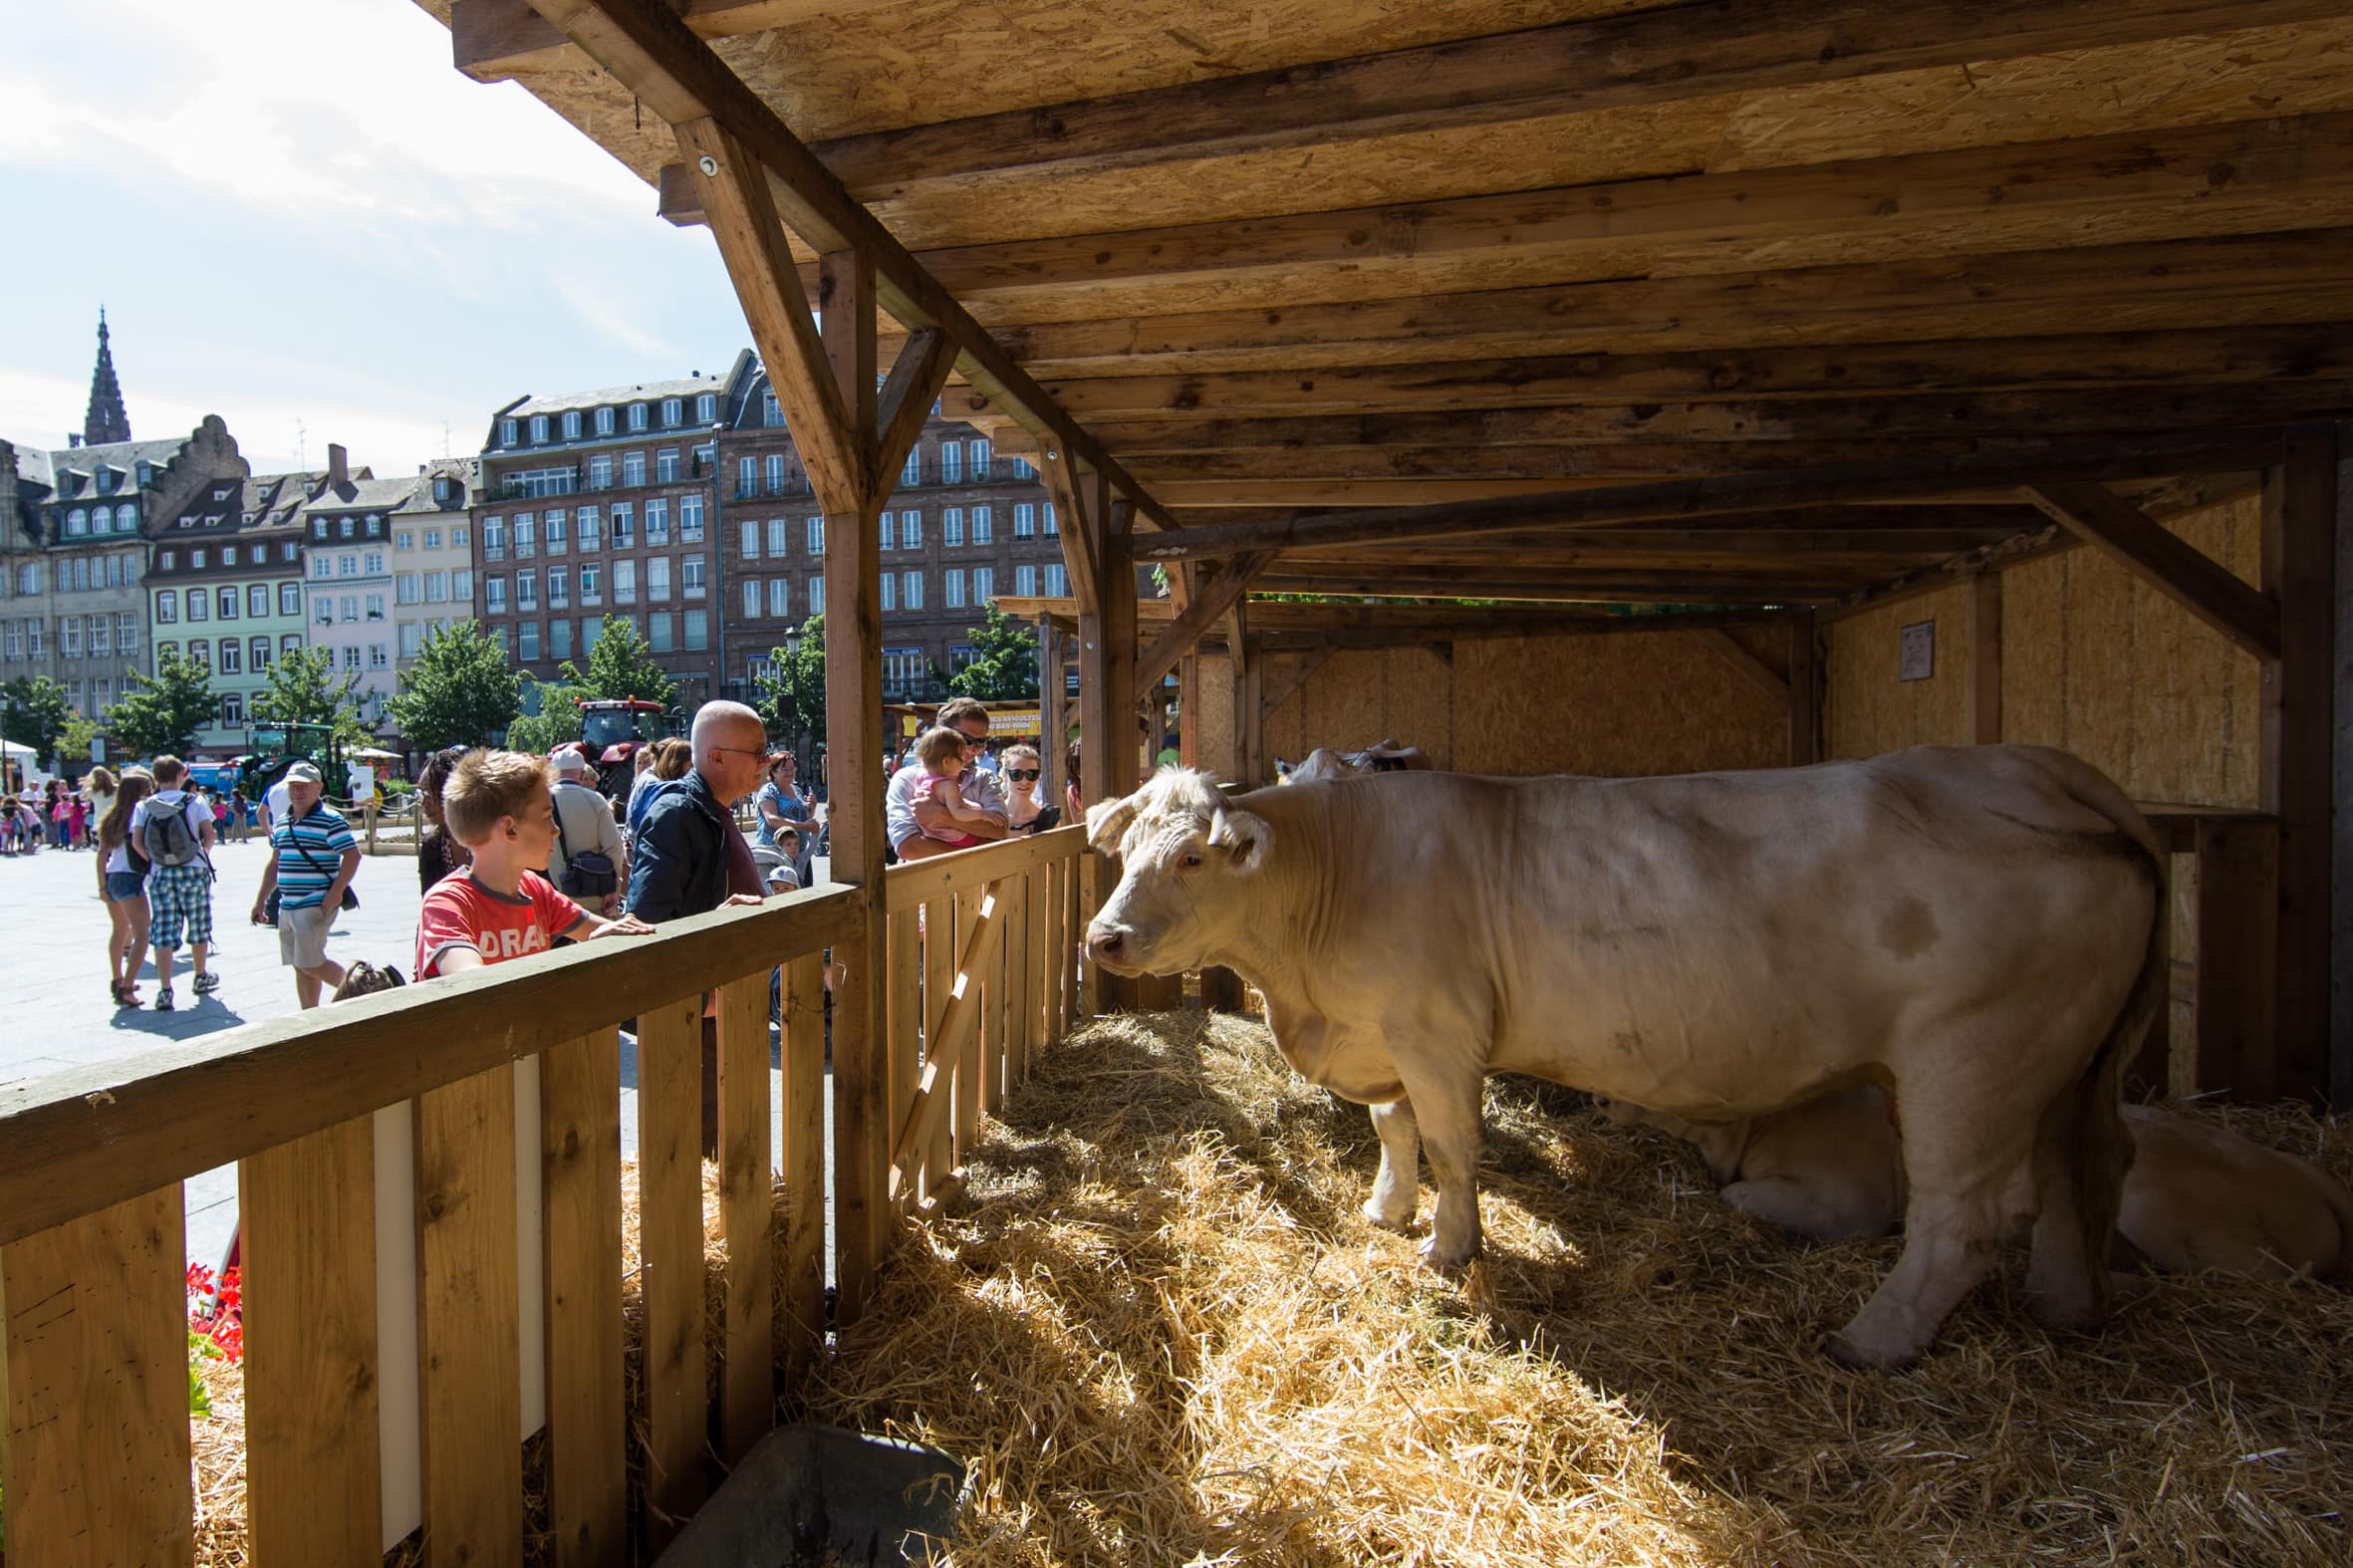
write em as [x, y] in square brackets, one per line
[1106, 689]
[801, 1263]
[1985, 693]
[2235, 1026]
[1188, 710]
[1249, 715]
[1050, 737]
[1805, 690]
[675, 1363]
[747, 1311]
[580, 1186]
[2299, 568]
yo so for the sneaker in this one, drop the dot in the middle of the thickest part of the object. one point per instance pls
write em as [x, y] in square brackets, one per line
[207, 983]
[163, 1001]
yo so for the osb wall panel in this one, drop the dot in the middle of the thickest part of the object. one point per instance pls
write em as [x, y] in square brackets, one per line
[2096, 661]
[1359, 696]
[1622, 705]
[1868, 710]
[1214, 686]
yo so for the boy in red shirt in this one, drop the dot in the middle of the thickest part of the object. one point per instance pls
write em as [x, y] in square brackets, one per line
[497, 804]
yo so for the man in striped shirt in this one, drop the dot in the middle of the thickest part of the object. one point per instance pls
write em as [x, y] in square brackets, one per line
[312, 861]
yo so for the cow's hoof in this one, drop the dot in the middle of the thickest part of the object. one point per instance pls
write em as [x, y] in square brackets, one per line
[1449, 1260]
[1859, 1356]
[1402, 1223]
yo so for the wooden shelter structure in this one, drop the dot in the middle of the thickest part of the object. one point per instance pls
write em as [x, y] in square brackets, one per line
[1780, 313]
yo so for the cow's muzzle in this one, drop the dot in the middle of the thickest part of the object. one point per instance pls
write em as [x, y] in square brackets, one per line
[1112, 948]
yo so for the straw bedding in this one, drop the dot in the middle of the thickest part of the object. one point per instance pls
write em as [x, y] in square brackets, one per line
[1160, 1329]
[1157, 1328]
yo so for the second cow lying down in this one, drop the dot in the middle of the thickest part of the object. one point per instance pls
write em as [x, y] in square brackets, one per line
[2198, 1197]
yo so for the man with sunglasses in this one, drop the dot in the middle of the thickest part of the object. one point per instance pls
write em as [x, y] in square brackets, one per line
[690, 857]
[910, 814]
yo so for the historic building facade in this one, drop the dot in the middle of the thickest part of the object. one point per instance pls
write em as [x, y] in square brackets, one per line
[604, 503]
[73, 549]
[347, 556]
[964, 526]
[224, 589]
[432, 556]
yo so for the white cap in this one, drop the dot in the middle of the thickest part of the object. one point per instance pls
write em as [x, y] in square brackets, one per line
[570, 761]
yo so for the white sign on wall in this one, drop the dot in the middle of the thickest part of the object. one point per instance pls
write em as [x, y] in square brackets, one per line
[1917, 660]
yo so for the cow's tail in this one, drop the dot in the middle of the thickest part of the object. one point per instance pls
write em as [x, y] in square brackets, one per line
[2103, 1145]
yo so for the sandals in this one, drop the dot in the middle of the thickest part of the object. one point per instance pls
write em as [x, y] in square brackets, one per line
[125, 997]
[206, 983]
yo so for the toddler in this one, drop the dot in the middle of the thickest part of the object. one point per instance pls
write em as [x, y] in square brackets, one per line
[942, 753]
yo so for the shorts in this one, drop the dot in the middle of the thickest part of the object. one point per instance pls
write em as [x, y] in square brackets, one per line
[125, 886]
[301, 934]
[181, 898]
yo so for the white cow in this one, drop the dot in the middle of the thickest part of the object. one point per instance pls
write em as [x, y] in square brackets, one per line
[1975, 928]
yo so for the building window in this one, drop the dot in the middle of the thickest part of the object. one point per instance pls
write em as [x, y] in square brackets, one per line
[911, 597]
[592, 582]
[951, 525]
[658, 630]
[290, 599]
[506, 432]
[559, 639]
[657, 577]
[322, 566]
[347, 606]
[571, 425]
[600, 473]
[624, 582]
[538, 428]
[691, 518]
[889, 591]
[636, 417]
[751, 598]
[526, 641]
[951, 591]
[817, 596]
[77, 523]
[591, 527]
[690, 576]
[232, 710]
[166, 607]
[779, 537]
[526, 536]
[125, 631]
[201, 653]
[707, 407]
[493, 538]
[379, 657]
[817, 536]
[405, 540]
[776, 474]
[461, 585]
[770, 414]
[780, 596]
[347, 566]
[554, 524]
[102, 635]
[984, 585]
[225, 603]
[888, 525]
[69, 636]
[375, 607]
[951, 462]
[258, 653]
[412, 639]
[903, 670]
[665, 466]
[657, 522]
[494, 594]
[436, 588]
[633, 469]
[288, 643]
[674, 412]
[232, 657]
[981, 455]
[1054, 583]
[747, 476]
[126, 517]
[375, 563]
[1025, 520]
[698, 631]
[982, 531]
[1025, 580]
[166, 558]
[526, 592]
[912, 471]
[1052, 528]
[749, 542]
[604, 421]
[408, 588]
[558, 587]
[198, 604]
[257, 600]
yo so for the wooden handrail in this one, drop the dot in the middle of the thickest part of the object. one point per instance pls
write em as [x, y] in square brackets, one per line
[79, 1140]
[909, 884]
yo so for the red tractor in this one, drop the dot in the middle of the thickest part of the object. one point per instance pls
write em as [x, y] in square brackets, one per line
[611, 733]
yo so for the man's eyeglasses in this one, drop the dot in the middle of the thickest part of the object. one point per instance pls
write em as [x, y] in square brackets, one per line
[1024, 775]
[743, 751]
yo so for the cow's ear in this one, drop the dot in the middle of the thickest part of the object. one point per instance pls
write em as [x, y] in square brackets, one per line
[1107, 819]
[1245, 837]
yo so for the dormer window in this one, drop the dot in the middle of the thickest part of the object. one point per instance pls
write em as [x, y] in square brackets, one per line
[105, 481]
[673, 411]
[707, 407]
[506, 432]
[604, 421]
[351, 527]
[440, 489]
[538, 428]
[146, 473]
[319, 528]
[572, 425]
[636, 417]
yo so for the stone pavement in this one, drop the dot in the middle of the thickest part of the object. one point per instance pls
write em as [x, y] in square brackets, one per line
[52, 986]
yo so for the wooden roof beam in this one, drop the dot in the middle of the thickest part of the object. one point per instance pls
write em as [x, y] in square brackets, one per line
[2294, 172]
[2124, 533]
[494, 40]
[1647, 589]
[1217, 597]
[1651, 56]
[1729, 494]
[652, 52]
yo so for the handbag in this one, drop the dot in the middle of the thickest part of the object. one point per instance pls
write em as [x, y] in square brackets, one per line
[351, 899]
[589, 875]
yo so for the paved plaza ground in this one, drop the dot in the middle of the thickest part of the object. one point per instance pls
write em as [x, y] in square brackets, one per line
[53, 986]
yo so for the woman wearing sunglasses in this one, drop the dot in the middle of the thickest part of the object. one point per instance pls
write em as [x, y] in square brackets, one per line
[1022, 771]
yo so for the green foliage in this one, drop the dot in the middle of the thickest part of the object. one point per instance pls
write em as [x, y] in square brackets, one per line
[1004, 665]
[460, 693]
[75, 743]
[792, 700]
[303, 689]
[551, 716]
[163, 712]
[36, 715]
[621, 664]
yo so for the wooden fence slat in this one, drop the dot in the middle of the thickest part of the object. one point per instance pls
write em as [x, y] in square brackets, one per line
[747, 1398]
[580, 1184]
[802, 1285]
[313, 1450]
[939, 965]
[969, 1051]
[956, 1029]
[906, 1015]
[1087, 898]
[1021, 994]
[1057, 973]
[93, 1465]
[669, 1249]
[469, 1352]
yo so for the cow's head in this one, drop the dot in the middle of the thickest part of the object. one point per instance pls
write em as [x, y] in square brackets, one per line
[1184, 856]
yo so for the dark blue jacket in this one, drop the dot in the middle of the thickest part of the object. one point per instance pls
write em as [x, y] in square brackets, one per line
[679, 862]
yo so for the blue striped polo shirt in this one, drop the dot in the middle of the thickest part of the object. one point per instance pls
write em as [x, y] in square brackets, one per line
[302, 883]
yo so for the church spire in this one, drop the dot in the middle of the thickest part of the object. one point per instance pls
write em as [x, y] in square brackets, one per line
[106, 421]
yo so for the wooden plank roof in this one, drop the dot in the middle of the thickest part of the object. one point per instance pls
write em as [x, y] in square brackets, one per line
[1282, 261]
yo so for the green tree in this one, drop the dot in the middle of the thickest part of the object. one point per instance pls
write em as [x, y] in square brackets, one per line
[36, 713]
[162, 711]
[619, 665]
[549, 716]
[74, 744]
[792, 696]
[1004, 665]
[303, 690]
[460, 692]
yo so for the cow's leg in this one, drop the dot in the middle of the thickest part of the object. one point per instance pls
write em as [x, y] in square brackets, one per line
[1962, 1164]
[1397, 1189]
[2065, 1278]
[1791, 1205]
[1444, 1086]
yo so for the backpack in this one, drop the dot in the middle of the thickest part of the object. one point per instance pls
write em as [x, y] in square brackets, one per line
[586, 875]
[167, 840]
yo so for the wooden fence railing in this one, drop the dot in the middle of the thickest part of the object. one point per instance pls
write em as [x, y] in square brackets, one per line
[500, 1286]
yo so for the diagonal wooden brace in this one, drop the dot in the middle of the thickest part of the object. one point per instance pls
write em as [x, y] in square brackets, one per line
[956, 1026]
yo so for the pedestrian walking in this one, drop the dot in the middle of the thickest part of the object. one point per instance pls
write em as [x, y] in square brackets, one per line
[438, 852]
[313, 857]
[123, 882]
[176, 834]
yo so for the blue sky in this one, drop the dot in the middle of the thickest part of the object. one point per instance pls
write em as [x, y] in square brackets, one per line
[297, 210]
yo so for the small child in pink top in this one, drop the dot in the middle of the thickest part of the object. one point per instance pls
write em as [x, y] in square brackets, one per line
[942, 751]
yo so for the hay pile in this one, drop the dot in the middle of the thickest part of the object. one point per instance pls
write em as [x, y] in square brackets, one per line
[1158, 1327]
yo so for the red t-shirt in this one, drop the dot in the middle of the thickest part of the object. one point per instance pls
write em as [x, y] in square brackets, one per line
[461, 913]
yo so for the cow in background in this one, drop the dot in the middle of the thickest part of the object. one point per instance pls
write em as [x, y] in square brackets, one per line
[2197, 1197]
[1323, 764]
[1976, 927]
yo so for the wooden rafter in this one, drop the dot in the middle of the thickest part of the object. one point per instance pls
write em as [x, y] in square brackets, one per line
[2165, 561]
[1216, 596]
[1744, 663]
[1309, 662]
[1737, 493]
[645, 45]
[917, 376]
